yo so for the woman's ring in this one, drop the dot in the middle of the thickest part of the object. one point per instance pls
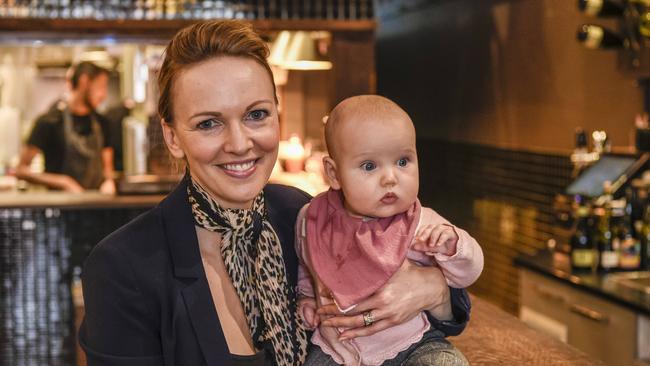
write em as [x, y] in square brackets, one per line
[368, 319]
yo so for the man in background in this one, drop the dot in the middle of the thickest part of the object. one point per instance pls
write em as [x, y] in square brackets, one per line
[72, 138]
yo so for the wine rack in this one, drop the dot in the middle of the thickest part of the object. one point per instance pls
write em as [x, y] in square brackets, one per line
[635, 27]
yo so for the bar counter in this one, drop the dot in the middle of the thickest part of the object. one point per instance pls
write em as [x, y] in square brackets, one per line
[605, 315]
[44, 240]
[556, 266]
[75, 200]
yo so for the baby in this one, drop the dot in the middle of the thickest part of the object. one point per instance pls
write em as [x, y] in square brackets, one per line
[354, 237]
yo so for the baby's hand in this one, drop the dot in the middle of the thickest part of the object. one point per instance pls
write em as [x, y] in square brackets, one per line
[307, 310]
[432, 239]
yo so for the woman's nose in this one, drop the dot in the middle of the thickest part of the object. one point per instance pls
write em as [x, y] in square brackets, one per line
[237, 140]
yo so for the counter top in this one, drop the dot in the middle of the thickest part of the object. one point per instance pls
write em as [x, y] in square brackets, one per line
[75, 200]
[557, 266]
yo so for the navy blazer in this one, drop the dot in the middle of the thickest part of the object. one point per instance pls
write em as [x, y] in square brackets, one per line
[147, 298]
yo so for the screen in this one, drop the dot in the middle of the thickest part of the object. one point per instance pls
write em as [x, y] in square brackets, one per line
[590, 182]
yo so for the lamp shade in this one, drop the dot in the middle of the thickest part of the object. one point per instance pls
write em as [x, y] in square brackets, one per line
[297, 51]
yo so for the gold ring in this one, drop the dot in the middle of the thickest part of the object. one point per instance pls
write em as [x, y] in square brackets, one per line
[368, 319]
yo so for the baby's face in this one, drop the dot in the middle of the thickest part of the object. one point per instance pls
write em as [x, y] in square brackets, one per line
[377, 166]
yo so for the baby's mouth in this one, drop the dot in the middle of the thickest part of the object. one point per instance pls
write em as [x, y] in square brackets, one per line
[389, 197]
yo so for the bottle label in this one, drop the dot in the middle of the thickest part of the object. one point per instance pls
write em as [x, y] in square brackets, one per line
[630, 256]
[582, 258]
[608, 259]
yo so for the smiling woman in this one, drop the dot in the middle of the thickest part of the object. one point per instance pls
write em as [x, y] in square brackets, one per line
[227, 135]
[208, 277]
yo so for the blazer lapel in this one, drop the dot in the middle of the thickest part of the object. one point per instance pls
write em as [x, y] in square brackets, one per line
[186, 259]
[205, 321]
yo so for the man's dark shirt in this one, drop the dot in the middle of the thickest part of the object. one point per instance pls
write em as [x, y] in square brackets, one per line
[115, 118]
[48, 135]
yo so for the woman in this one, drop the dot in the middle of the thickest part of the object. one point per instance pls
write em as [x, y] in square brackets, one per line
[207, 277]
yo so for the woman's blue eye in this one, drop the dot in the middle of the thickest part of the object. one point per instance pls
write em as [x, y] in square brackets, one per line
[402, 162]
[207, 124]
[258, 114]
[368, 166]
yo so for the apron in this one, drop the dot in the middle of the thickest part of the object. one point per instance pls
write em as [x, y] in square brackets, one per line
[83, 154]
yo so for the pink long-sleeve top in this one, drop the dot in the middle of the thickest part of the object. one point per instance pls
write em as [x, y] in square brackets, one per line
[460, 270]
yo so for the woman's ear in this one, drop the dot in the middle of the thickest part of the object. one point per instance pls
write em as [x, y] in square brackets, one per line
[171, 140]
[330, 171]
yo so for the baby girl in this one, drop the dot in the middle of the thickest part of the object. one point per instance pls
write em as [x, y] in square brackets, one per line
[354, 237]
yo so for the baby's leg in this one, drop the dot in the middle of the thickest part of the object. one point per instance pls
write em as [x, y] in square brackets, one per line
[316, 357]
[435, 351]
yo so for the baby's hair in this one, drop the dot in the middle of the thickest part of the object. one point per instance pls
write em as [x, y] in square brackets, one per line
[367, 106]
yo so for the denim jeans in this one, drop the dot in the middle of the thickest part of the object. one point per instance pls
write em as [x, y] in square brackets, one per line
[432, 350]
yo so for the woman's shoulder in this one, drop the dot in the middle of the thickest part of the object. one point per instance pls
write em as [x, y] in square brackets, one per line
[141, 237]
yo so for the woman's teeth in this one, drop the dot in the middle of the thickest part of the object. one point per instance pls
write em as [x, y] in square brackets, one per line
[239, 167]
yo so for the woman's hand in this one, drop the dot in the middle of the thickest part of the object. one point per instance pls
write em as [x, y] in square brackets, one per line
[411, 290]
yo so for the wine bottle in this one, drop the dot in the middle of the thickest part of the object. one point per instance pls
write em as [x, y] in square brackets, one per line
[644, 24]
[630, 245]
[645, 237]
[582, 247]
[595, 36]
[606, 240]
[601, 8]
[581, 140]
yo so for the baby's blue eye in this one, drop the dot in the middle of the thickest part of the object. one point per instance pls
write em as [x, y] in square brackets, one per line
[257, 115]
[402, 162]
[368, 166]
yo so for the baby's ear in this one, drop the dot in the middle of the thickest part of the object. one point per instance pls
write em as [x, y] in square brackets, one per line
[330, 172]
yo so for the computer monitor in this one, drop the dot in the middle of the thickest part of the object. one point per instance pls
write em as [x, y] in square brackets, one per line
[614, 168]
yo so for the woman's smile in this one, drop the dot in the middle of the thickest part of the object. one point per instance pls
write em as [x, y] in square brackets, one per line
[240, 169]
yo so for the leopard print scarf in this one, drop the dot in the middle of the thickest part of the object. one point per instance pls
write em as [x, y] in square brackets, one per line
[252, 255]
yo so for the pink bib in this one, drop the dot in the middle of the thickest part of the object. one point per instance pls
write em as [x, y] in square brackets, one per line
[354, 257]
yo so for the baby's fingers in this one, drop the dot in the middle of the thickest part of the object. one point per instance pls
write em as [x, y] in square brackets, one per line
[421, 240]
[436, 233]
[424, 232]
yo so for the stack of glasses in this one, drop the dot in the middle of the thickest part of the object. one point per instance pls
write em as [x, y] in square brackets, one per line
[188, 9]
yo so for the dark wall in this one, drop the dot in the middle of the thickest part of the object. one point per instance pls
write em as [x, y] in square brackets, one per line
[496, 89]
[502, 73]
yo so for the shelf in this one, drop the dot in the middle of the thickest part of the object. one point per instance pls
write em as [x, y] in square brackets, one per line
[164, 28]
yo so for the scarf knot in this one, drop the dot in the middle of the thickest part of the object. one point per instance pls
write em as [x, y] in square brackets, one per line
[252, 255]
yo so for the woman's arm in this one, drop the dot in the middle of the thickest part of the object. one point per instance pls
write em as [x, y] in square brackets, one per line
[118, 328]
[399, 300]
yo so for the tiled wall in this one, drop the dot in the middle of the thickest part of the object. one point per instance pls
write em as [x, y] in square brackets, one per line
[504, 198]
